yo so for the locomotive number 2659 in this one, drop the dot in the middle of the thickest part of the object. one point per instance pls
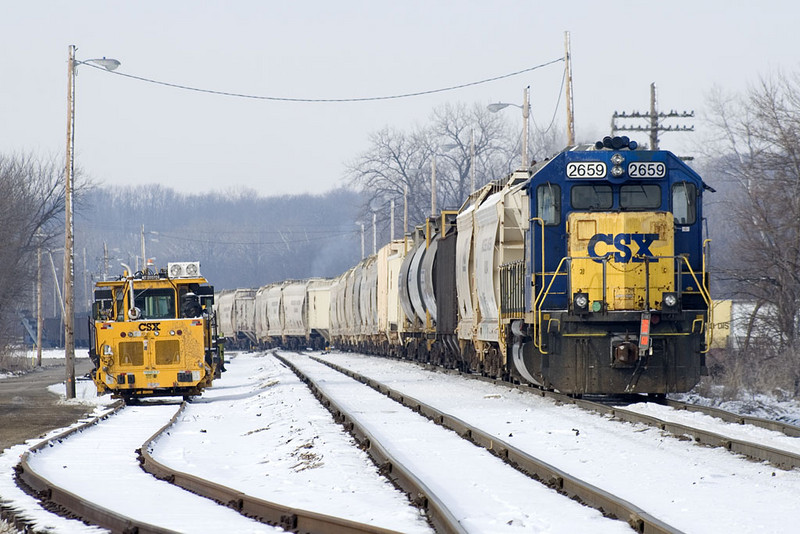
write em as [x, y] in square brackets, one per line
[650, 169]
[586, 169]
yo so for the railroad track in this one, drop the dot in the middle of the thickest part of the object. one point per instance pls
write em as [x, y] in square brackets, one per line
[288, 518]
[784, 459]
[64, 502]
[440, 516]
[669, 478]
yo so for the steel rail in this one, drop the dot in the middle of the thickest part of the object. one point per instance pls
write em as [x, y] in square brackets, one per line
[57, 499]
[288, 518]
[438, 514]
[777, 457]
[53, 496]
[566, 484]
[730, 417]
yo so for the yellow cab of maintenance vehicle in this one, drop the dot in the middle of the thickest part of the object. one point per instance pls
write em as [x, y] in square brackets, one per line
[154, 333]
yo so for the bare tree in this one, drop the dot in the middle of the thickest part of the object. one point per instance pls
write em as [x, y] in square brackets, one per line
[759, 137]
[33, 200]
[398, 160]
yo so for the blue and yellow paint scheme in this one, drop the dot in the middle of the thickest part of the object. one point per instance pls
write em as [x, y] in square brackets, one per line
[616, 288]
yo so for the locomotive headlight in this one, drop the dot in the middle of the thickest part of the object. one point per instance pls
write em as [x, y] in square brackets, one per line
[617, 159]
[580, 302]
[617, 171]
[669, 302]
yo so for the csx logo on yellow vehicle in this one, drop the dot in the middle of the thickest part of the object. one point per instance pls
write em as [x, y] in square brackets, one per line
[621, 242]
[149, 327]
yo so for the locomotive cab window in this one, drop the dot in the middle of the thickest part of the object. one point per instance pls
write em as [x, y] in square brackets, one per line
[591, 197]
[548, 203]
[684, 203]
[103, 307]
[156, 303]
[640, 197]
[119, 296]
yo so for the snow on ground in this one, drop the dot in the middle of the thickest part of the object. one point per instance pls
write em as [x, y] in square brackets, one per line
[481, 491]
[49, 357]
[261, 431]
[258, 429]
[748, 433]
[101, 465]
[28, 507]
[778, 408]
[692, 488]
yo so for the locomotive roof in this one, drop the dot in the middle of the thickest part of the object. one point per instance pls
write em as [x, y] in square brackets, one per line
[154, 280]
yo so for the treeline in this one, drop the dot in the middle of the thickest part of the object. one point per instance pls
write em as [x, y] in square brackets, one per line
[240, 238]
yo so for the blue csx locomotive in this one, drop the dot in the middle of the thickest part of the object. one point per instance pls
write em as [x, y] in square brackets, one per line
[585, 273]
[616, 288]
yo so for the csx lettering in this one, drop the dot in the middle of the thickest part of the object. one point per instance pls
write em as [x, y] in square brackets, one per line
[622, 244]
[149, 327]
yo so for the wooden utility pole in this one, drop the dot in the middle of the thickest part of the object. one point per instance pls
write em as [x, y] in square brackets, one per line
[39, 314]
[568, 75]
[69, 180]
[655, 119]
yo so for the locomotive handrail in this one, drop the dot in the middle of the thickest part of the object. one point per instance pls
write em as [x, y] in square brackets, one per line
[537, 309]
[541, 223]
[709, 302]
[544, 292]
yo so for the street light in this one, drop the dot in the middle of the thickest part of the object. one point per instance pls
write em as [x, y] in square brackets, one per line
[69, 253]
[525, 107]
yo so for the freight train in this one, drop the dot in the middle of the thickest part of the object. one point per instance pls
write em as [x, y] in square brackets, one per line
[155, 334]
[585, 273]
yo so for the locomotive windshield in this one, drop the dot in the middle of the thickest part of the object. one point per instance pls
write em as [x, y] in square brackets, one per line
[640, 196]
[591, 197]
[156, 303]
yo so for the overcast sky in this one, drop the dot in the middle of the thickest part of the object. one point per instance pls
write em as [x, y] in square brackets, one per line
[132, 132]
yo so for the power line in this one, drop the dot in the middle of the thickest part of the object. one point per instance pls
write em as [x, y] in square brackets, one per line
[294, 236]
[325, 100]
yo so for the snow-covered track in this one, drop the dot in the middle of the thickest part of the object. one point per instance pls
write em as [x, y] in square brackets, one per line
[445, 500]
[91, 473]
[56, 498]
[290, 519]
[438, 514]
[730, 417]
[671, 478]
[557, 479]
[724, 438]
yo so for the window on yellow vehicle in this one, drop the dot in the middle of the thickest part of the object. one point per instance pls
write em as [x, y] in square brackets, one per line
[640, 197]
[168, 351]
[119, 296]
[156, 303]
[131, 353]
[684, 203]
[548, 203]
